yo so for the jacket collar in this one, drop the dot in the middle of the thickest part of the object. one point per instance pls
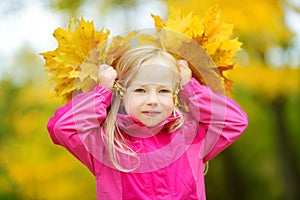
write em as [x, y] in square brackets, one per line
[135, 128]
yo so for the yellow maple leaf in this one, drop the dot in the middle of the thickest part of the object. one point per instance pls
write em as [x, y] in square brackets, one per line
[73, 65]
[72, 56]
[210, 32]
[159, 23]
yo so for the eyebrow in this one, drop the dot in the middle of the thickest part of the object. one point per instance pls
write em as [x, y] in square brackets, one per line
[145, 85]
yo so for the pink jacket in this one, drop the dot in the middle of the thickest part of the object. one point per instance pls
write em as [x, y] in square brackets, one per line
[171, 164]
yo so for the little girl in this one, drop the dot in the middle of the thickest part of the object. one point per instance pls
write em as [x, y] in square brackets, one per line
[146, 130]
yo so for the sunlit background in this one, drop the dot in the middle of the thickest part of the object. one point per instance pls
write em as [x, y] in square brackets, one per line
[263, 164]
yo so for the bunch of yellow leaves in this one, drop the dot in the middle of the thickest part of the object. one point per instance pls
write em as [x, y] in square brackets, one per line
[209, 31]
[73, 66]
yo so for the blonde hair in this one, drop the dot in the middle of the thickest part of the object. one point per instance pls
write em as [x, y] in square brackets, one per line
[127, 68]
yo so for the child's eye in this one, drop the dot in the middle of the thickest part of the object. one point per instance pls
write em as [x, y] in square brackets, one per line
[139, 90]
[164, 91]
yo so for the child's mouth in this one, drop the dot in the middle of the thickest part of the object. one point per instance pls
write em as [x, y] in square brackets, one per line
[151, 113]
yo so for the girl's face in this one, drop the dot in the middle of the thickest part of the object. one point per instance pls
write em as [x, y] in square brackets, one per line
[149, 97]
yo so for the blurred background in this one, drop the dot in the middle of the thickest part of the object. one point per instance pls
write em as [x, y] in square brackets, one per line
[263, 164]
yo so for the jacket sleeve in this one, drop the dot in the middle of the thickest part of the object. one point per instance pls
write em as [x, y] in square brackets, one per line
[222, 118]
[76, 126]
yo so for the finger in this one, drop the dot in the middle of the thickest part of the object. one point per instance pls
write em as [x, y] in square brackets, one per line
[183, 63]
[102, 69]
[110, 69]
[103, 66]
[111, 72]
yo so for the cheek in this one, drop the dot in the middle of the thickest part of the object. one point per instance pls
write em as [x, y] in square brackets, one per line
[131, 103]
[168, 104]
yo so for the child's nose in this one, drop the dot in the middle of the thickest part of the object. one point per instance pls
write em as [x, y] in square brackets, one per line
[152, 100]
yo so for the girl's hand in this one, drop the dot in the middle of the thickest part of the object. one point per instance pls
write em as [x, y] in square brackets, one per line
[185, 71]
[106, 76]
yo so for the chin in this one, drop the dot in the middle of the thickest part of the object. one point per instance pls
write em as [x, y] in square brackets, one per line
[152, 124]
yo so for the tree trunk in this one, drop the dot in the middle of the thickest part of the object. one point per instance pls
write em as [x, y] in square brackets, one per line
[287, 157]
